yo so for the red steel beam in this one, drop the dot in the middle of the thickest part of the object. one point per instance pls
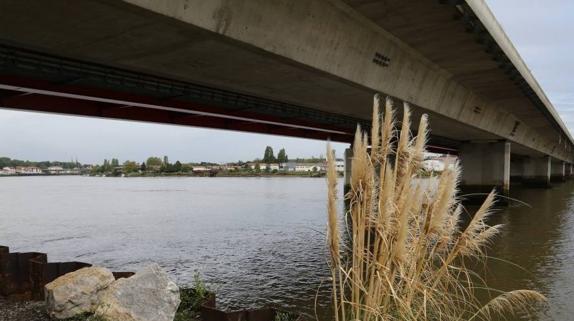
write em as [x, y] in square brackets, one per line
[63, 105]
[123, 100]
[120, 105]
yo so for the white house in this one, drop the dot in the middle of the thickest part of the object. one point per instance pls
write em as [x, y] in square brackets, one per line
[31, 170]
[433, 165]
[8, 171]
[264, 166]
[340, 165]
[54, 170]
[309, 167]
[272, 166]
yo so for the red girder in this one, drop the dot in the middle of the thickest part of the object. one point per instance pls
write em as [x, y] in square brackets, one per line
[119, 105]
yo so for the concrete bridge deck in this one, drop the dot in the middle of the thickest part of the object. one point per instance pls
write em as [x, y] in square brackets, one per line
[304, 69]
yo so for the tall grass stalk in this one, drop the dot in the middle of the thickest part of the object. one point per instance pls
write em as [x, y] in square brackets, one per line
[408, 254]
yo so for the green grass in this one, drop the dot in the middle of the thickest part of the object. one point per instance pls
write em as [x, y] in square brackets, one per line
[191, 300]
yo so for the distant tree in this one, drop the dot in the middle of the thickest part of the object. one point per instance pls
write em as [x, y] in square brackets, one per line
[177, 167]
[106, 167]
[143, 168]
[268, 156]
[153, 161]
[166, 166]
[282, 156]
[130, 167]
[5, 162]
[257, 167]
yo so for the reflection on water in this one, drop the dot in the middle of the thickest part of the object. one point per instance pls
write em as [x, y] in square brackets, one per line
[540, 239]
[257, 241]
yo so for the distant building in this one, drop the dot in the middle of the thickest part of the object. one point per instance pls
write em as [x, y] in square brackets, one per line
[272, 166]
[304, 167]
[439, 163]
[264, 166]
[433, 165]
[73, 171]
[340, 165]
[200, 169]
[55, 170]
[8, 171]
[229, 167]
[30, 170]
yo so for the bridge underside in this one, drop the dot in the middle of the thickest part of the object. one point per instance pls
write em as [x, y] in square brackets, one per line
[117, 60]
[240, 88]
[37, 82]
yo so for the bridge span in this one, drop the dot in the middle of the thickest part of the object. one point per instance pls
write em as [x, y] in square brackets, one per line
[296, 68]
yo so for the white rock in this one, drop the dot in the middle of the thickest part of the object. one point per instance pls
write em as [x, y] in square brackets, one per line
[148, 295]
[77, 292]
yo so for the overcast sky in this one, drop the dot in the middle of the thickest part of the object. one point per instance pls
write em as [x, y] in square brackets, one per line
[541, 30]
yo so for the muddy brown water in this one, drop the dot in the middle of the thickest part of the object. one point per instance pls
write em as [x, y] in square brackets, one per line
[255, 241]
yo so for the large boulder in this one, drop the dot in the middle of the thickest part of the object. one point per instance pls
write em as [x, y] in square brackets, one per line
[149, 295]
[77, 292]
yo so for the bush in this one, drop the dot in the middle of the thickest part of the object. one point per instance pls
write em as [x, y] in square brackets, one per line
[191, 300]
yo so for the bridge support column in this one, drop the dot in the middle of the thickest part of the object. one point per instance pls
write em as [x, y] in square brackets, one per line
[348, 164]
[485, 166]
[558, 170]
[537, 171]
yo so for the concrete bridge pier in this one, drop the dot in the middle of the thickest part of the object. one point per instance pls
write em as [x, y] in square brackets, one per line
[485, 165]
[558, 171]
[348, 164]
[537, 171]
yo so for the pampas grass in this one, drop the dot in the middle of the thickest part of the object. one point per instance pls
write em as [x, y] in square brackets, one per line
[408, 252]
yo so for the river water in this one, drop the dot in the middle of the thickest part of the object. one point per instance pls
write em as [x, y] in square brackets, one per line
[255, 241]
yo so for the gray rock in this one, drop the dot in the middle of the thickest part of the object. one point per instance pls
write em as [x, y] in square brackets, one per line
[77, 292]
[149, 295]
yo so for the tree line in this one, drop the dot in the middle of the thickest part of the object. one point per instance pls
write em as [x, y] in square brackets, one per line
[152, 164]
[8, 162]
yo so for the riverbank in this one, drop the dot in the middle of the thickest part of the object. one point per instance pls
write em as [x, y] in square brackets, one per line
[222, 174]
[33, 175]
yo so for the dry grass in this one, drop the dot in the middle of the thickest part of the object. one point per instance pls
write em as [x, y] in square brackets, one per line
[408, 252]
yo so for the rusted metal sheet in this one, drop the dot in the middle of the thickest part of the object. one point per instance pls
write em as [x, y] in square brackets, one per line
[24, 275]
[15, 272]
[213, 314]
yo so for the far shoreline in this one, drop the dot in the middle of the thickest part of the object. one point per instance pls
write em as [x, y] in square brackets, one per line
[215, 175]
